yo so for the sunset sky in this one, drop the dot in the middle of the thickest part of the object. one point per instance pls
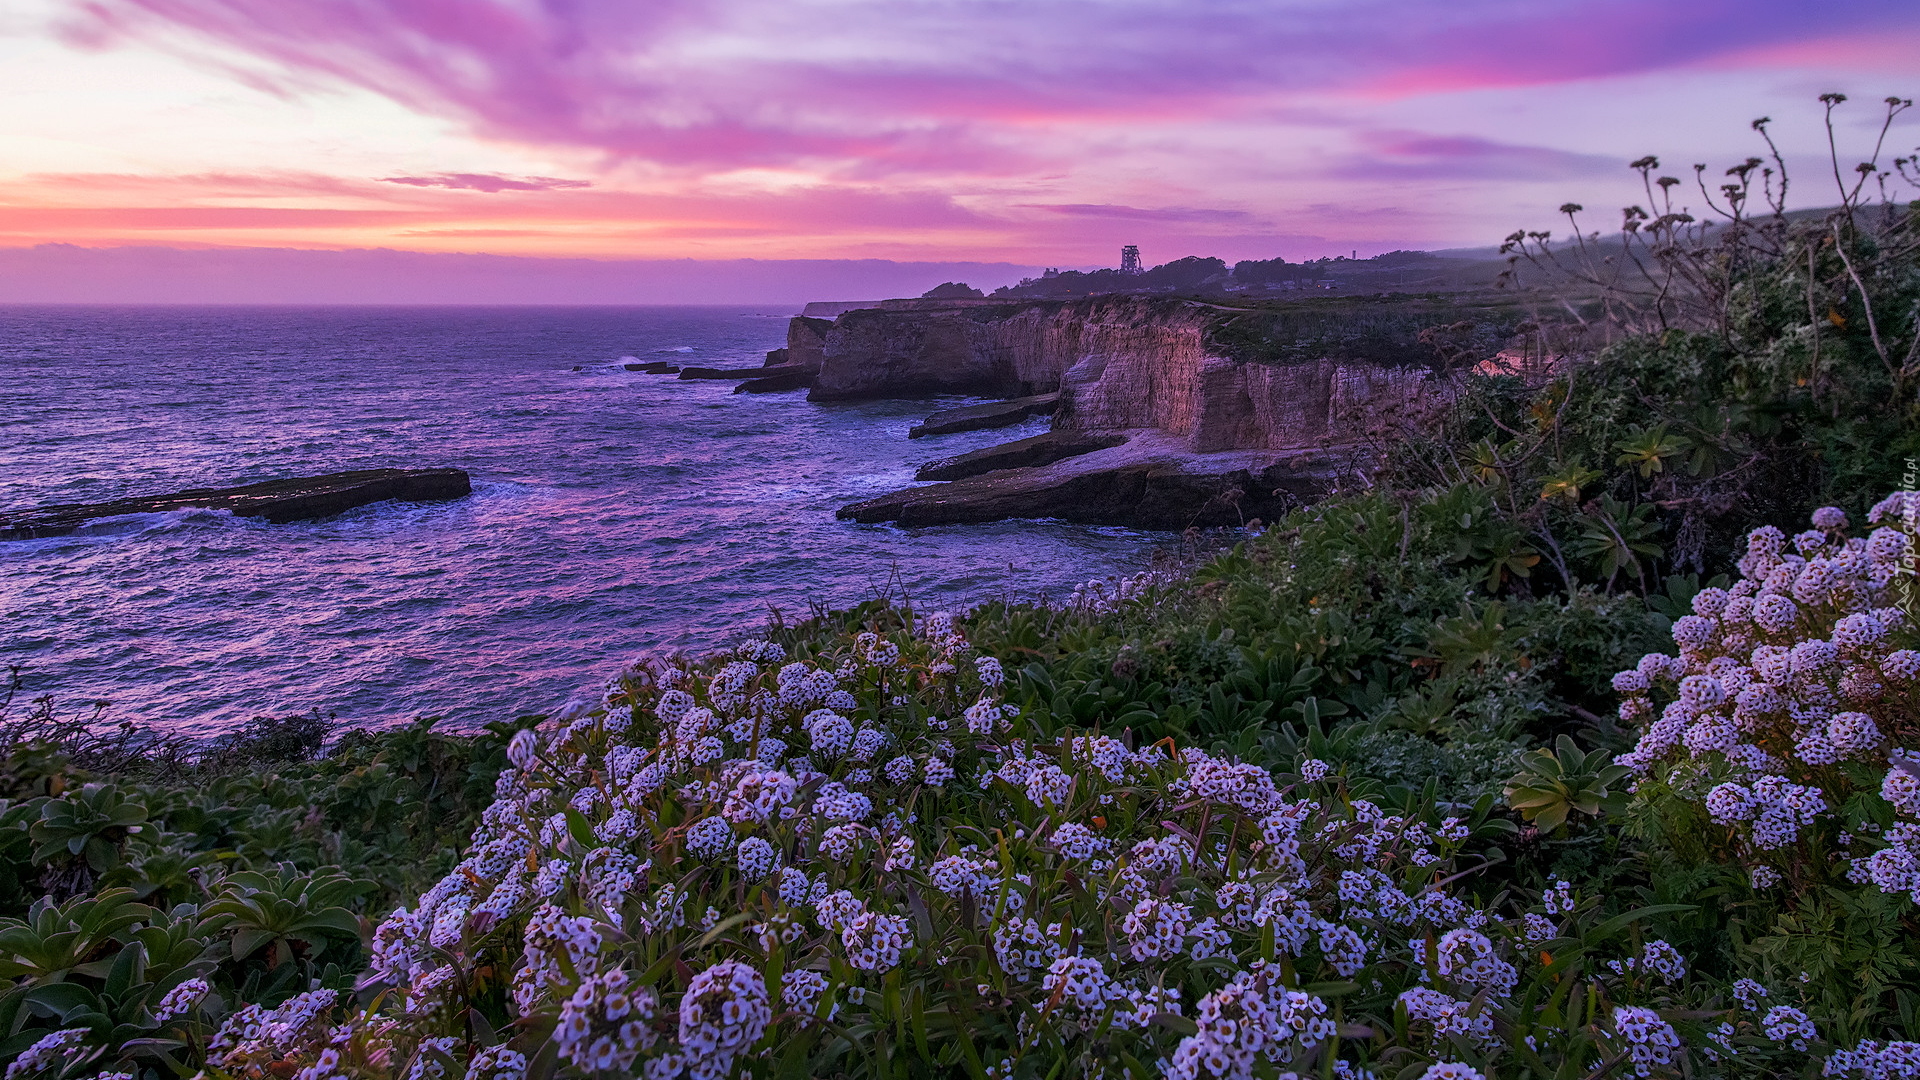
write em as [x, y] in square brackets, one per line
[1042, 132]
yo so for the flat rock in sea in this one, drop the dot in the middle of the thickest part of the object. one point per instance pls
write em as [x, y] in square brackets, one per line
[1024, 453]
[991, 415]
[278, 501]
[779, 377]
[721, 373]
[1153, 481]
[657, 367]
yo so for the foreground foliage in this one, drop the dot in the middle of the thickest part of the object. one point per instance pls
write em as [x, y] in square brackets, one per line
[249, 875]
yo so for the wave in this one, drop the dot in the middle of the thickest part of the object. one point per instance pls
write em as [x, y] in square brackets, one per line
[122, 526]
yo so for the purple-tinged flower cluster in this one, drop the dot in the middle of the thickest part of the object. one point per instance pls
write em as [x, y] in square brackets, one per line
[1782, 683]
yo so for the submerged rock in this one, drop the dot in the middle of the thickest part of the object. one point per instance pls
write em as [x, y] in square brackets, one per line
[721, 373]
[278, 501]
[1151, 482]
[777, 378]
[658, 367]
[991, 415]
[1024, 453]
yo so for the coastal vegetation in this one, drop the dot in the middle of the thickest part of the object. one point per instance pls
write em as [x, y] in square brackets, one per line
[1577, 742]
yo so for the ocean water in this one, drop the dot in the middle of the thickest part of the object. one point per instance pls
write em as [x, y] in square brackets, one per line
[614, 513]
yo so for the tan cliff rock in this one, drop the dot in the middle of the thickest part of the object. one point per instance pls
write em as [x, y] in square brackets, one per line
[1120, 363]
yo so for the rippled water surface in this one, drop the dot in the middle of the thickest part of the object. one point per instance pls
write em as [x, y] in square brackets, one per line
[613, 512]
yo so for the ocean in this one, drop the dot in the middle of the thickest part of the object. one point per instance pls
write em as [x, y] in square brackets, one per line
[613, 514]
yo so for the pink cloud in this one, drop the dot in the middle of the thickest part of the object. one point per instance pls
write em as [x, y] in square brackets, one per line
[543, 217]
[82, 220]
[889, 89]
[487, 182]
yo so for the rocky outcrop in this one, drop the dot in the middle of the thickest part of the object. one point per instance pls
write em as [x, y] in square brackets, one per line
[721, 373]
[807, 341]
[1027, 453]
[278, 501]
[770, 380]
[1118, 362]
[1152, 482]
[1211, 440]
[994, 414]
[827, 309]
[656, 368]
[914, 348]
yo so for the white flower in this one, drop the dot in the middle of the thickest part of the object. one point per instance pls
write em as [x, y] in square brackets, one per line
[1451, 1070]
[874, 940]
[181, 1000]
[1157, 928]
[756, 858]
[831, 733]
[724, 1012]
[1650, 1041]
[523, 750]
[800, 989]
[1079, 980]
[709, 836]
[48, 1051]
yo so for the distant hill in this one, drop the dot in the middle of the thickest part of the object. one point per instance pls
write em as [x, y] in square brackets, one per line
[1394, 271]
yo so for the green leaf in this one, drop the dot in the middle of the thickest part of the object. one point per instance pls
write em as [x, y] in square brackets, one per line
[61, 999]
[1621, 922]
[129, 965]
[580, 829]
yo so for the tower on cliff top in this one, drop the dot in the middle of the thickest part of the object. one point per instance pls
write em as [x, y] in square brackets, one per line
[1130, 259]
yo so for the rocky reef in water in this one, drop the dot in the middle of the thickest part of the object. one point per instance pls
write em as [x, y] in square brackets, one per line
[300, 498]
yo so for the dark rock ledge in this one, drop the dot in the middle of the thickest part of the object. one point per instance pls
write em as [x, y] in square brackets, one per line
[721, 373]
[278, 501]
[775, 378]
[1039, 450]
[1152, 481]
[991, 415]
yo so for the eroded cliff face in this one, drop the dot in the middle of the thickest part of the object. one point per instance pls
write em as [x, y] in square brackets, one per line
[1120, 363]
[1241, 406]
[913, 348]
[806, 341]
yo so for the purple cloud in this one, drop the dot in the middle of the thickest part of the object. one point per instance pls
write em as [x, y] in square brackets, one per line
[1414, 156]
[1136, 213]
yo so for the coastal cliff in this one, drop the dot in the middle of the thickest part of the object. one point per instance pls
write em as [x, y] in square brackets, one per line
[913, 348]
[1119, 363]
[1176, 432]
[1220, 433]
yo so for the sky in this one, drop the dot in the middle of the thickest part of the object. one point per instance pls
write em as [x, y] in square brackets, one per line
[253, 135]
